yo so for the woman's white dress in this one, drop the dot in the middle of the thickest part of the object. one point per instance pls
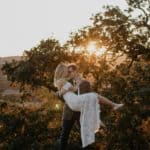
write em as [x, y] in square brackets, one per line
[89, 107]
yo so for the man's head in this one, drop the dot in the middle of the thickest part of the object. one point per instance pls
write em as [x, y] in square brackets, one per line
[73, 71]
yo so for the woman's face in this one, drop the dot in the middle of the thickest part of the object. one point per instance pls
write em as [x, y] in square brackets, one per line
[72, 73]
[65, 74]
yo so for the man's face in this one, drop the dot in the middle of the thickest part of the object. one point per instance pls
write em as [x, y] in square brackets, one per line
[72, 73]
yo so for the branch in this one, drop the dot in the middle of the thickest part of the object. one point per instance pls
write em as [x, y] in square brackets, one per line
[131, 63]
[140, 8]
[148, 26]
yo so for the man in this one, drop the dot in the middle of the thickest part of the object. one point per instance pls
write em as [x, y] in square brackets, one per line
[70, 117]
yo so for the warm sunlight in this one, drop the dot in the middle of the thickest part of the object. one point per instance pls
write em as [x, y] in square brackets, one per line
[100, 51]
[93, 49]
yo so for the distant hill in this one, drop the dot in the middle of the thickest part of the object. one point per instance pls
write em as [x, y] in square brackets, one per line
[4, 83]
[9, 59]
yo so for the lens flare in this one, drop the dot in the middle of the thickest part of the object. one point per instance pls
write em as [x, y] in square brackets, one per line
[93, 49]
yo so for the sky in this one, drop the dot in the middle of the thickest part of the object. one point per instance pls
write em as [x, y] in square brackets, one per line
[24, 23]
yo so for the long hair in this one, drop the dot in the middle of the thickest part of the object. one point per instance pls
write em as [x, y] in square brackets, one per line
[59, 75]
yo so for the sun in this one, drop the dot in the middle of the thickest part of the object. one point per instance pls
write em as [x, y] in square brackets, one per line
[93, 49]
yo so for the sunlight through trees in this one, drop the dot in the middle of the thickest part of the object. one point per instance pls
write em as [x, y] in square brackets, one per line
[123, 77]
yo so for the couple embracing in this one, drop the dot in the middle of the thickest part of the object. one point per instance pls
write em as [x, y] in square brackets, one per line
[81, 105]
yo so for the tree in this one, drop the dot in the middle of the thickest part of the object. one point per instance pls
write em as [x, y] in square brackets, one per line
[122, 35]
[38, 65]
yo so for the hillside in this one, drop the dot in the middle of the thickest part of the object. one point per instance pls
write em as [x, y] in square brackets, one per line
[4, 83]
[9, 59]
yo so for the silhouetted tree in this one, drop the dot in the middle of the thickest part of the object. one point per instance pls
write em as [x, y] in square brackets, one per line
[38, 65]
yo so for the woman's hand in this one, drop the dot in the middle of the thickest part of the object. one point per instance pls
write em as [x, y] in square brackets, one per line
[73, 88]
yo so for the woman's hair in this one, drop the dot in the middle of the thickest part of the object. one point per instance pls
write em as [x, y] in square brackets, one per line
[60, 75]
[73, 66]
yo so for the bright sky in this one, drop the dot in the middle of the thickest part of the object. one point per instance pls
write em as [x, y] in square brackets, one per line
[24, 23]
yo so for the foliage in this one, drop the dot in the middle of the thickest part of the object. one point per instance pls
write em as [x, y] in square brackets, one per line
[126, 38]
[128, 81]
[38, 64]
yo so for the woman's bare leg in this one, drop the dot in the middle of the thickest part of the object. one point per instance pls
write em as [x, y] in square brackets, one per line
[106, 101]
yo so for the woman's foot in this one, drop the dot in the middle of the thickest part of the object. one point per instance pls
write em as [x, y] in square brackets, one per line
[117, 106]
